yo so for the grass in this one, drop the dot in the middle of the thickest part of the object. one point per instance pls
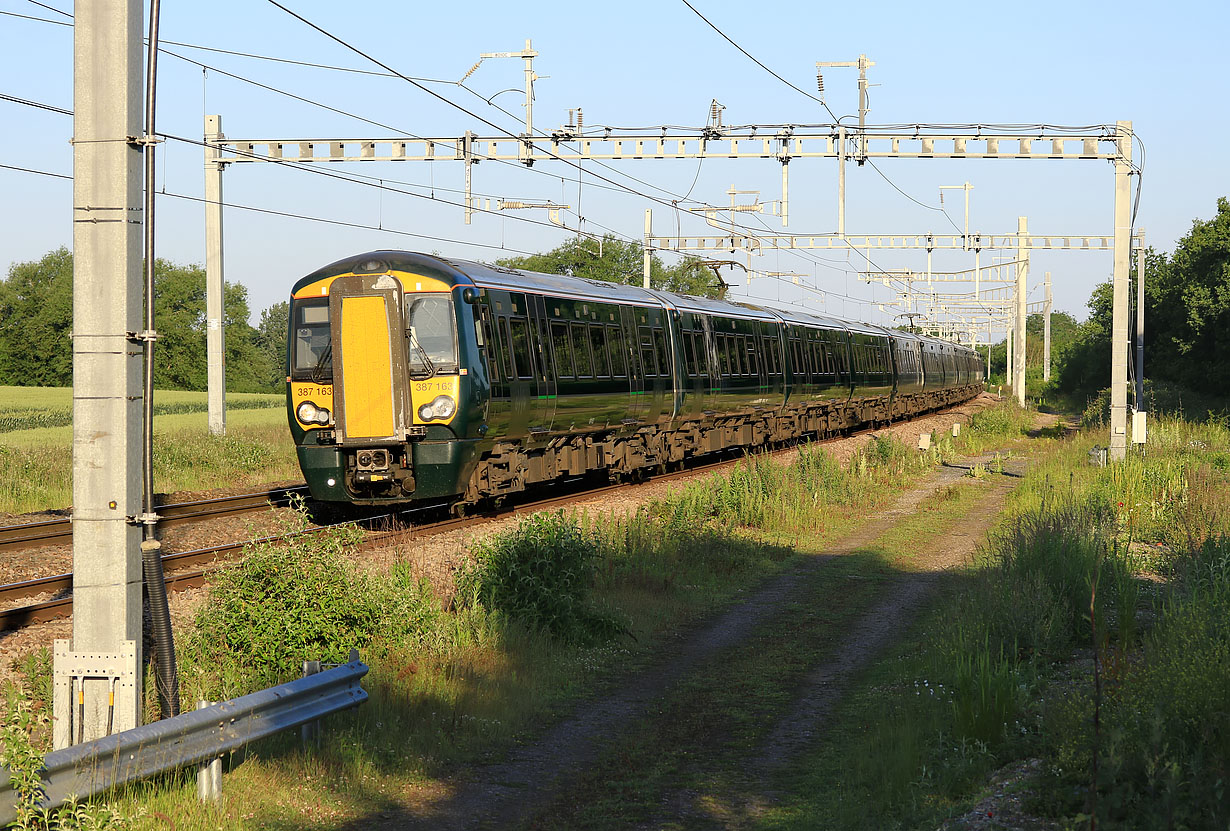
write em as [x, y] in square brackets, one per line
[36, 462]
[1053, 624]
[455, 687]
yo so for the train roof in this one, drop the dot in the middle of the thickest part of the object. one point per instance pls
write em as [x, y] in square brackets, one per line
[485, 275]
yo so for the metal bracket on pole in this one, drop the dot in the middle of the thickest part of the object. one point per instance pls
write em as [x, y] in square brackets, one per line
[72, 724]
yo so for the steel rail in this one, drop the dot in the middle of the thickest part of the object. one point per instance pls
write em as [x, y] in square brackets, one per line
[57, 531]
[181, 576]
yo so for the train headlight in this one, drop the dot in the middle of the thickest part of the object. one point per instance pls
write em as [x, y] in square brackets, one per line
[441, 407]
[309, 413]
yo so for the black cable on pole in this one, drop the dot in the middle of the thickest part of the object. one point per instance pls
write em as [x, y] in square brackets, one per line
[166, 671]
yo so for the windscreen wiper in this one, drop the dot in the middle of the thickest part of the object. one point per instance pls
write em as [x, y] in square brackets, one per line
[326, 358]
[428, 365]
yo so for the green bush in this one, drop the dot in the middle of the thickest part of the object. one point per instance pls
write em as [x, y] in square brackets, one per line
[540, 575]
[285, 602]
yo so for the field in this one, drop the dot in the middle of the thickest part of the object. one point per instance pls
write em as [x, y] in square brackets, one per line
[36, 437]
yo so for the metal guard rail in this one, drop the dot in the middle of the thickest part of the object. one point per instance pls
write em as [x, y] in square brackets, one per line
[194, 737]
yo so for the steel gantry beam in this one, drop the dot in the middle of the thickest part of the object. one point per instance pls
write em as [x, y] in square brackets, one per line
[782, 142]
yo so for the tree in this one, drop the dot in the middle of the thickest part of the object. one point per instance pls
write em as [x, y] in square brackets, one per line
[619, 262]
[36, 305]
[271, 340]
[1187, 314]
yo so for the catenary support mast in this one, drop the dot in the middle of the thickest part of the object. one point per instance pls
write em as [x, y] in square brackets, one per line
[105, 651]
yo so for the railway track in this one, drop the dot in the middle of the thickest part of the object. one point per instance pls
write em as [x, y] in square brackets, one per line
[188, 569]
[60, 531]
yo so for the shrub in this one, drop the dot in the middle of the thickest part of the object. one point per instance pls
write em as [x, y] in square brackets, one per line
[540, 575]
[285, 602]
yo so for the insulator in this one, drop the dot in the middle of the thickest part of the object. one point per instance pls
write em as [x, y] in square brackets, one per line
[580, 121]
[819, 82]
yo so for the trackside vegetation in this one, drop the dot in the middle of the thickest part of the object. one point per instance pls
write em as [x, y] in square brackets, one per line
[537, 616]
[1085, 656]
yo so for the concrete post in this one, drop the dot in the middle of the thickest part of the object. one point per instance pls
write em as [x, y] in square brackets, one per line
[1119, 313]
[1140, 322]
[1008, 353]
[648, 254]
[1022, 276]
[107, 302]
[841, 181]
[215, 316]
[1046, 332]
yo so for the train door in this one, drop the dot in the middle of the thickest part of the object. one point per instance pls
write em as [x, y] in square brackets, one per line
[369, 359]
[545, 381]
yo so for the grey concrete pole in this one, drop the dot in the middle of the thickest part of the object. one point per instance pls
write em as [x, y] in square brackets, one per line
[1046, 332]
[215, 328]
[1119, 312]
[1008, 353]
[1140, 323]
[648, 255]
[841, 181]
[1022, 277]
[107, 301]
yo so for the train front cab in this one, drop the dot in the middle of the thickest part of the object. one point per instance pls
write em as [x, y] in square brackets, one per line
[377, 387]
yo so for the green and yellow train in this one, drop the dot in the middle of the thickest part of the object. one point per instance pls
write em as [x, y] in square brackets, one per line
[411, 377]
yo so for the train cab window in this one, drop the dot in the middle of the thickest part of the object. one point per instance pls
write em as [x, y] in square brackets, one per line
[563, 350]
[313, 347]
[523, 362]
[580, 350]
[429, 325]
[597, 345]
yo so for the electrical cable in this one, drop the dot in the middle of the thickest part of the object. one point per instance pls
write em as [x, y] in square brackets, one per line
[292, 215]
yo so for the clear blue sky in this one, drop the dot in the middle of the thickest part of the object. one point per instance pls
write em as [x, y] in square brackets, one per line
[1163, 66]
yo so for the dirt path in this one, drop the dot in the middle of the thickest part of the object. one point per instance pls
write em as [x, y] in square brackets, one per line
[506, 794]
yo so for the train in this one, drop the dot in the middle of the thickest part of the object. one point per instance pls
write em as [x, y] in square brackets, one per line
[415, 377]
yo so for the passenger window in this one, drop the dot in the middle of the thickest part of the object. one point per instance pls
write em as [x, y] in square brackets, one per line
[615, 348]
[490, 348]
[563, 351]
[580, 346]
[648, 362]
[523, 362]
[664, 358]
[598, 347]
[723, 348]
[506, 348]
[689, 353]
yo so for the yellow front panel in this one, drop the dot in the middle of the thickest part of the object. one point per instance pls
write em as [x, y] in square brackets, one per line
[367, 368]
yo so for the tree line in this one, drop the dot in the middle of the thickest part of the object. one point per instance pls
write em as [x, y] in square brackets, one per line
[36, 305]
[1187, 318]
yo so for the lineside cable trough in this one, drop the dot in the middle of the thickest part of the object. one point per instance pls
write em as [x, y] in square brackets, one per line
[196, 737]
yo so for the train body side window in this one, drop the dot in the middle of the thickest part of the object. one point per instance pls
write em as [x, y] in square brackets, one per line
[580, 347]
[689, 356]
[487, 342]
[523, 362]
[509, 372]
[664, 359]
[723, 355]
[563, 352]
[597, 344]
[648, 362]
[615, 348]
